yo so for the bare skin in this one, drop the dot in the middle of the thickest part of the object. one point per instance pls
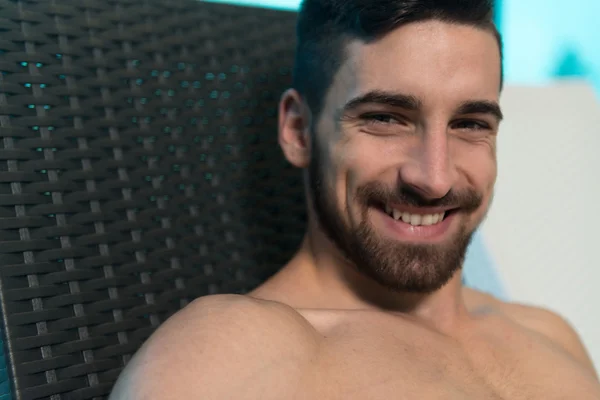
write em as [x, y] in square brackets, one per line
[494, 350]
[239, 347]
[324, 329]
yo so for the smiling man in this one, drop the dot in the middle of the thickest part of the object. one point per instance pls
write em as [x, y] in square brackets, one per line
[394, 117]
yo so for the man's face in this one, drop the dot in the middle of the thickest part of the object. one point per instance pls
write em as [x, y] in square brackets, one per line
[404, 154]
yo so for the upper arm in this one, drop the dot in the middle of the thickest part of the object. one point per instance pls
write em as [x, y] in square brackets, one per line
[558, 330]
[220, 347]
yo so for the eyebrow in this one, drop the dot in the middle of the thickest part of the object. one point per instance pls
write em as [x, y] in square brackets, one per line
[481, 107]
[399, 100]
[412, 103]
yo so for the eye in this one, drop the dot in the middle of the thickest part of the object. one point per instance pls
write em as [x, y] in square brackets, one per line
[470, 125]
[381, 119]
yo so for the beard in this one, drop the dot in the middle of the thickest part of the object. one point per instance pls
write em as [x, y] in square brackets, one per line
[398, 266]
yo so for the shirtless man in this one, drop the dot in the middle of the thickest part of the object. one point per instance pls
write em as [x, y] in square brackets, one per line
[394, 116]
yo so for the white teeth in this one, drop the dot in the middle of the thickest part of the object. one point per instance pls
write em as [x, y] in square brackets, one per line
[427, 219]
[415, 219]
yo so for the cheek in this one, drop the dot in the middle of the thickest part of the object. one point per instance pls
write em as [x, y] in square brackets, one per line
[346, 178]
[355, 163]
[365, 156]
[335, 171]
[478, 163]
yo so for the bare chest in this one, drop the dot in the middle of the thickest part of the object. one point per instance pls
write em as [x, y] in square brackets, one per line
[378, 358]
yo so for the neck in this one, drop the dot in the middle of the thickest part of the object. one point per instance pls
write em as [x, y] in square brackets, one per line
[328, 281]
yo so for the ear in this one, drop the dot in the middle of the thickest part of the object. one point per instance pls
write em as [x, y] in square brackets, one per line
[294, 128]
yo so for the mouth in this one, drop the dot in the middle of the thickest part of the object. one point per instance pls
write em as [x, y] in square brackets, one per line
[416, 217]
[416, 223]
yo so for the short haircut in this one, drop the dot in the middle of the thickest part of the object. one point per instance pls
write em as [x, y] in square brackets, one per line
[325, 26]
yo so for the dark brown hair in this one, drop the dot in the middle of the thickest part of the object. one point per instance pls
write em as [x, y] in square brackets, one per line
[325, 26]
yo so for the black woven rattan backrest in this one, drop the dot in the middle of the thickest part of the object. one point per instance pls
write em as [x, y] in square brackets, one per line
[139, 169]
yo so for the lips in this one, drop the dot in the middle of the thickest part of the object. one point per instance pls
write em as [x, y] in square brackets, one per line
[415, 219]
[427, 226]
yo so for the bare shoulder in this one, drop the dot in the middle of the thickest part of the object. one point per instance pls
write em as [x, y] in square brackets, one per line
[551, 325]
[225, 346]
[541, 321]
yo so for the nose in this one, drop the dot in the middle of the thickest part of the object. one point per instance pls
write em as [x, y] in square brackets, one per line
[429, 170]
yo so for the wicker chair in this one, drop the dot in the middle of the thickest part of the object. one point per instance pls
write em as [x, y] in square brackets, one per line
[139, 169]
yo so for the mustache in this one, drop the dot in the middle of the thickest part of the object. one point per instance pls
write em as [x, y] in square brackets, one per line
[376, 193]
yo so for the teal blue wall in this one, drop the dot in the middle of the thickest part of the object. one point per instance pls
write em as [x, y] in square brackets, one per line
[547, 40]
[280, 4]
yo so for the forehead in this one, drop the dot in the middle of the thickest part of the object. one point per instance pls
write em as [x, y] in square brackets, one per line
[433, 61]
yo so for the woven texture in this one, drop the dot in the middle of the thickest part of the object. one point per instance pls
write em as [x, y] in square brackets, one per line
[139, 169]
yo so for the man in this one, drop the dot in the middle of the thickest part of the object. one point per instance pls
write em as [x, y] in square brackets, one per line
[394, 116]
